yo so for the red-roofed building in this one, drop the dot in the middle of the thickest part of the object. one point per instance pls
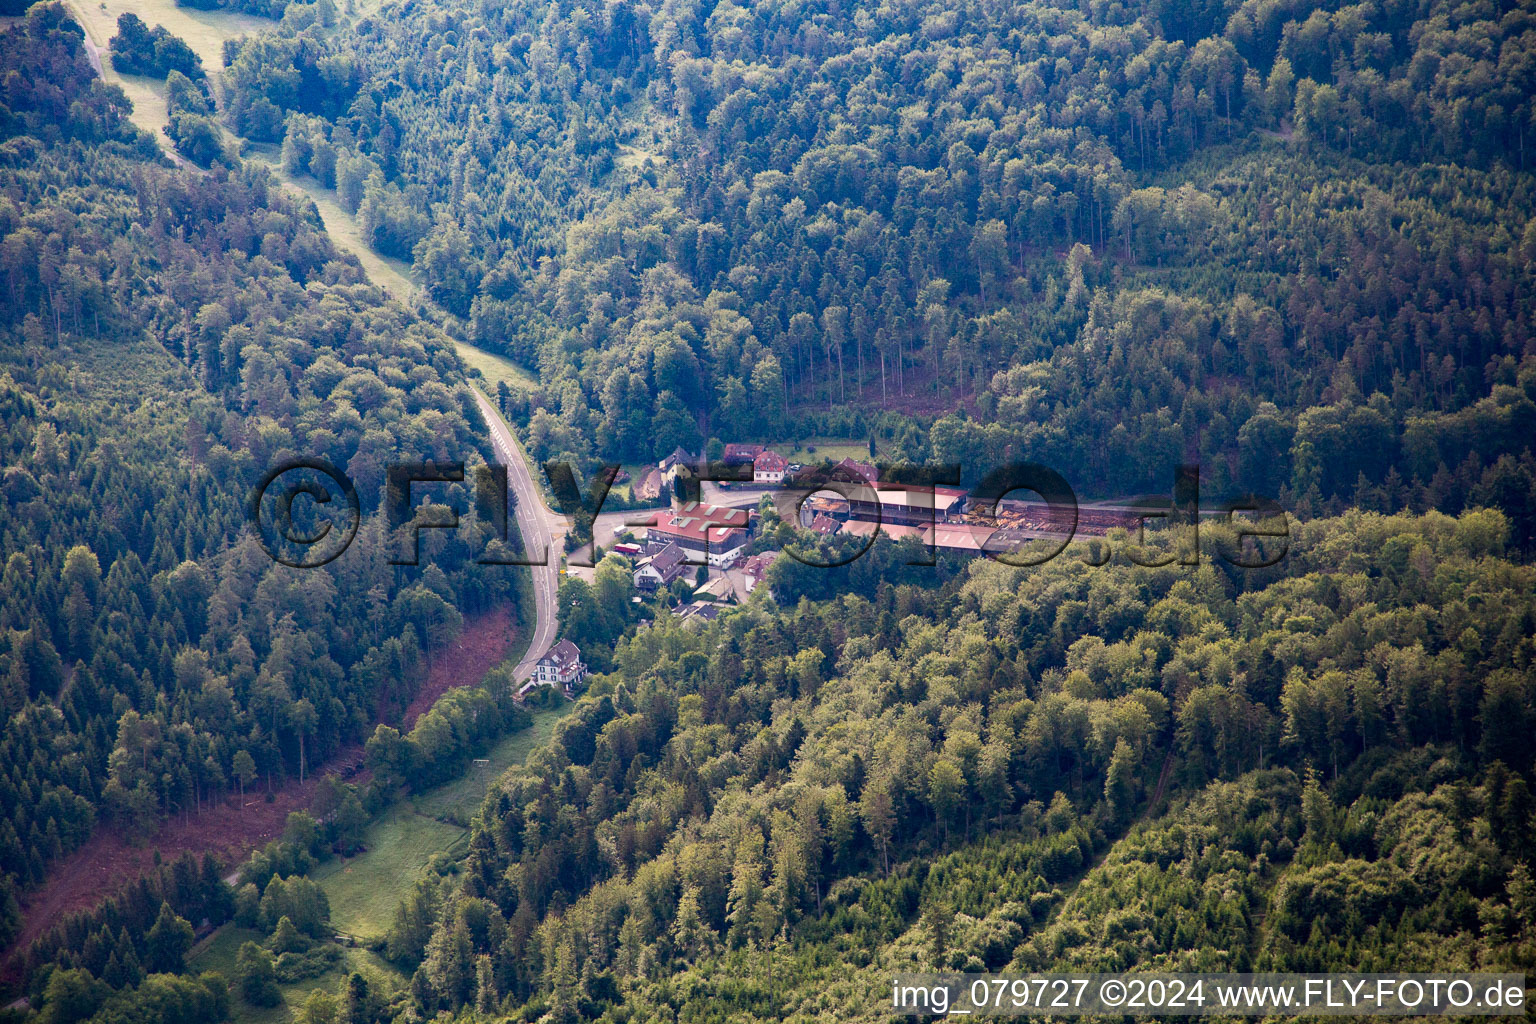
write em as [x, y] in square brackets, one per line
[768, 468]
[755, 569]
[825, 524]
[856, 471]
[741, 454]
[715, 534]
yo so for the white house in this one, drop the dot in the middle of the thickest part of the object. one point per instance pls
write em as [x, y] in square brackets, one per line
[562, 667]
[756, 568]
[768, 468]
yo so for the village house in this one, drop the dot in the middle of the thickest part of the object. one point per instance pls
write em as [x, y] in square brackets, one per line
[754, 569]
[561, 667]
[853, 470]
[661, 570]
[825, 524]
[741, 454]
[696, 615]
[669, 466]
[768, 468]
[718, 589]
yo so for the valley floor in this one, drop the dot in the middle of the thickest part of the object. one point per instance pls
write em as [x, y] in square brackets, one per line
[364, 890]
[110, 859]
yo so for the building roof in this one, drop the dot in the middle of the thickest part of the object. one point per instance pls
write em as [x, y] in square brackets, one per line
[757, 565]
[769, 462]
[858, 470]
[735, 452]
[698, 531]
[722, 515]
[670, 562]
[904, 497]
[863, 528]
[677, 456]
[969, 539]
[561, 655]
[701, 612]
[717, 589]
[825, 524]
[715, 515]
[697, 522]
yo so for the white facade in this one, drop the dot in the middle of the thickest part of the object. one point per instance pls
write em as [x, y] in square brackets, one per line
[562, 667]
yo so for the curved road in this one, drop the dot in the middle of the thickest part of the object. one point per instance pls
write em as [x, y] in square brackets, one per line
[532, 521]
[533, 525]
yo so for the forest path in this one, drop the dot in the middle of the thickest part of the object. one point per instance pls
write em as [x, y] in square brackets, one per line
[110, 859]
[206, 32]
[1162, 784]
[1098, 860]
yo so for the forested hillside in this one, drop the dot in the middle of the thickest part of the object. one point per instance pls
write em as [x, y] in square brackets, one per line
[166, 337]
[1290, 240]
[1320, 767]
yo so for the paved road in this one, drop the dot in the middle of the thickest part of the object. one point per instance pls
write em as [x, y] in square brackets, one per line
[538, 538]
[533, 520]
[739, 496]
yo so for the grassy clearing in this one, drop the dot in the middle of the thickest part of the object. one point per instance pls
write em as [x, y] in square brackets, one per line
[151, 110]
[632, 156]
[460, 799]
[365, 890]
[393, 275]
[494, 367]
[204, 31]
[835, 449]
[218, 953]
[636, 470]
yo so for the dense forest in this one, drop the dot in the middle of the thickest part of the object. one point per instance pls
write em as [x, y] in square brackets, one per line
[1291, 241]
[169, 335]
[771, 815]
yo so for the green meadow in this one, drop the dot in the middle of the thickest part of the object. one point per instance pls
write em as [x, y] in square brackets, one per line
[364, 890]
[400, 846]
